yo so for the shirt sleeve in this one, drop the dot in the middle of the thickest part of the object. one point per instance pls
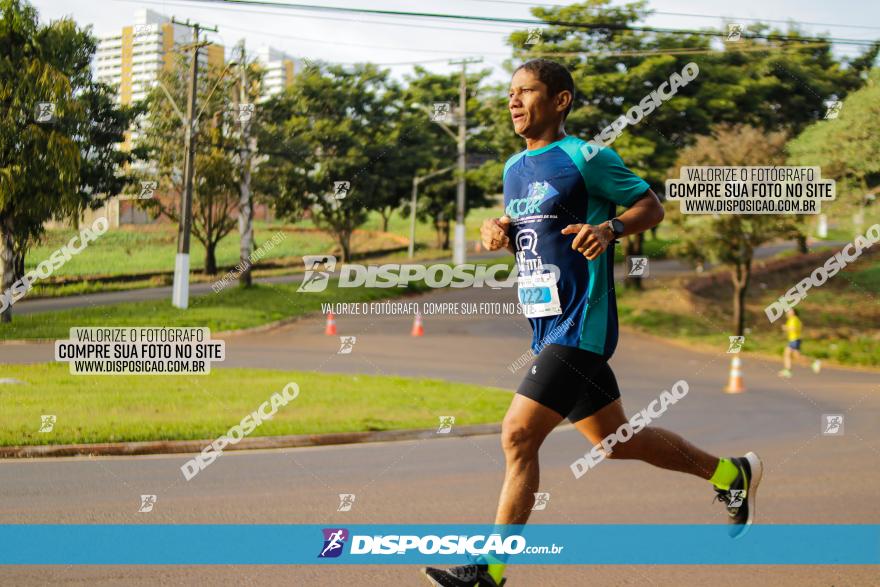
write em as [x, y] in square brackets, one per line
[607, 177]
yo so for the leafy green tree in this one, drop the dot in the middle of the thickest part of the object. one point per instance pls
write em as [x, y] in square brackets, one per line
[764, 83]
[769, 84]
[497, 138]
[731, 239]
[105, 167]
[394, 168]
[245, 97]
[215, 173]
[56, 164]
[333, 125]
[847, 148]
[434, 149]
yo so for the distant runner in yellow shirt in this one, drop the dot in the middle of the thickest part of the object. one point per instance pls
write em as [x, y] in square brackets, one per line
[794, 327]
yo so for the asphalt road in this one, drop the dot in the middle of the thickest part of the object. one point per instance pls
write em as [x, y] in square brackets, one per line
[809, 477]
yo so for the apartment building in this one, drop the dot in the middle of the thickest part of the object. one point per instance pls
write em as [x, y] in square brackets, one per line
[133, 58]
[279, 70]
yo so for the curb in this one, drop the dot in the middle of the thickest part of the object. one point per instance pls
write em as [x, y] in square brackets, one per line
[260, 442]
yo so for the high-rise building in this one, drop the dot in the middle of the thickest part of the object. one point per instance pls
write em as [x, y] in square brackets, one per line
[133, 58]
[279, 70]
[132, 61]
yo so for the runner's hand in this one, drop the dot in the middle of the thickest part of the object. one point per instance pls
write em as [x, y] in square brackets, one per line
[591, 241]
[493, 232]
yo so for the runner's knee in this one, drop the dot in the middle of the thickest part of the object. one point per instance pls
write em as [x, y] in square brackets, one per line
[518, 441]
[621, 451]
[629, 448]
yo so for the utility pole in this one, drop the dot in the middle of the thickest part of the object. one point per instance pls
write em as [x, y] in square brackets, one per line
[180, 290]
[245, 202]
[458, 251]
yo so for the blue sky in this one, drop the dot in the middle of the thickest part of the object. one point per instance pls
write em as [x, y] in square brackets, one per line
[346, 38]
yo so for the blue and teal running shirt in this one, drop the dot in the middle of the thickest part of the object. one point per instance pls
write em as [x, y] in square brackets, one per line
[545, 190]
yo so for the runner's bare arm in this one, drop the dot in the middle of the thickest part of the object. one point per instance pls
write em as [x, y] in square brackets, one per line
[592, 241]
[646, 213]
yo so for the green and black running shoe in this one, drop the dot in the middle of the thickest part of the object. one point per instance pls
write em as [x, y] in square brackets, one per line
[475, 575]
[740, 498]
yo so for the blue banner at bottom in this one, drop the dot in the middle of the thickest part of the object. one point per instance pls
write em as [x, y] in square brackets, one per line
[267, 544]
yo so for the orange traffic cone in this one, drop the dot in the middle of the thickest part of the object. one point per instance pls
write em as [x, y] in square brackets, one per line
[330, 330]
[418, 329]
[735, 383]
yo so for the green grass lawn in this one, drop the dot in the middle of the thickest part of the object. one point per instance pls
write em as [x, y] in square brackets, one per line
[145, 249]
[169, 407]
[841, 318]
[131, 251]
[425, 234]
[139, 250]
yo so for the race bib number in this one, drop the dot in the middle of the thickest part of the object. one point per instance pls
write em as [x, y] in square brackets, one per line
[539, 296]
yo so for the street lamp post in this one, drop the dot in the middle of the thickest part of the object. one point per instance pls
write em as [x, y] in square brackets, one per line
[458, 251]
[417, 179]
[460, 138]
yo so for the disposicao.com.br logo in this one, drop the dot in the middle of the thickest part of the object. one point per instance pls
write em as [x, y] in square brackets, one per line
[335, 539]
[320, 267]
[334, 542]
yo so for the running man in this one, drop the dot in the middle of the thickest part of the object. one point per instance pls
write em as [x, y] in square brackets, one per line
[794, 328]
[560, 197]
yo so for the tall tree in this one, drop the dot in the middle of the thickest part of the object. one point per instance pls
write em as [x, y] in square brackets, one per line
[770, 84]
[434, 149]
[395, 168]
[847, 147]
[246, 95]
[59, 131]
[731, 239]
[326, 142]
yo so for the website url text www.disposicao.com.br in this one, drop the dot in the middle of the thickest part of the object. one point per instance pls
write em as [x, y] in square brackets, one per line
[751, 206]
[140, 366]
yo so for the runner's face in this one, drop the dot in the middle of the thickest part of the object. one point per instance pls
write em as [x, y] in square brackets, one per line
[532, 109]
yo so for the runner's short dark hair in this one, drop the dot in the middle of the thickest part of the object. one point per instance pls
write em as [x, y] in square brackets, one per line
[553, 75]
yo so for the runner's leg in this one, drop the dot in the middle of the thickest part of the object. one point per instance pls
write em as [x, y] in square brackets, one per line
[524, 429]
[735, 479]
[653, 445]
[801, 358]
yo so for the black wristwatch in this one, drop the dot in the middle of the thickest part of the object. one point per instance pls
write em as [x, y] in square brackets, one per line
[616, 227]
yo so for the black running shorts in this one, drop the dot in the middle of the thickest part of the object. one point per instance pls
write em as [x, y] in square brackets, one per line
[572, 382]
